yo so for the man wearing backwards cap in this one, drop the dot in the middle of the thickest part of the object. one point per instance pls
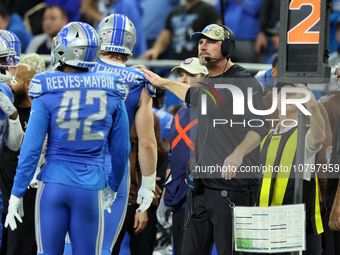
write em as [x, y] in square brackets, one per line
[222, 147]
[181, 147]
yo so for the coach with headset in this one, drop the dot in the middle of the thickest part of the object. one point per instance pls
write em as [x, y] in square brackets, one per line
[226, 143]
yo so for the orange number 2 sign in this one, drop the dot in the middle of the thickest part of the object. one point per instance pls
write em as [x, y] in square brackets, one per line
[300, 34]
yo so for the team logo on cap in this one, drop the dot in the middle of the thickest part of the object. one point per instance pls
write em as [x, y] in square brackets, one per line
[187, 61]
[208, 28]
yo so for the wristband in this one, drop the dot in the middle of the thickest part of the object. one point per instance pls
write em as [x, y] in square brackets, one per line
[149, 182]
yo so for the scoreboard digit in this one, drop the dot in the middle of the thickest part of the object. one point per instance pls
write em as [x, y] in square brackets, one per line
[304, 33]
[301, 32]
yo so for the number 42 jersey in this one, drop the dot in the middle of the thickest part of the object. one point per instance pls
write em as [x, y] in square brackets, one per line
[80, 112]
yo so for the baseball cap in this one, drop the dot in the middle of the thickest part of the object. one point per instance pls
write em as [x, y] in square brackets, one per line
[35, 61]
[191, 65]
[212, 31]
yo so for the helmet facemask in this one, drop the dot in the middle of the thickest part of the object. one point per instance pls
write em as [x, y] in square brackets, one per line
[8, 65]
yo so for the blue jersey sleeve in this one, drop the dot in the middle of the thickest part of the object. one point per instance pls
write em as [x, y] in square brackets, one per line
[35, 88]
[7, 91]
[31, 148]
[150, 89]
[119, 146]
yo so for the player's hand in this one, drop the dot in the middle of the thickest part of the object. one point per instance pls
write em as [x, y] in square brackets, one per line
[141, 220]
[108, 197]
[163, 213]
[6, 105]
[230, 166]
[15, 210]
[146, 192]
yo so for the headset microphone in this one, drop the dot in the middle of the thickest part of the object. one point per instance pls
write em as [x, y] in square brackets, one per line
[209, 59]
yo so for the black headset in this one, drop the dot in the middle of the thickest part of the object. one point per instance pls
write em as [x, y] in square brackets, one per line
[228, 44]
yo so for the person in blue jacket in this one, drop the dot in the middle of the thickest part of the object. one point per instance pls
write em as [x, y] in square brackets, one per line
[80, 112]
[182, 142]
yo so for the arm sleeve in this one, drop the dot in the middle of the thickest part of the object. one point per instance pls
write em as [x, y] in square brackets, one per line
[15, 134]
[119, 145]
[31, 147]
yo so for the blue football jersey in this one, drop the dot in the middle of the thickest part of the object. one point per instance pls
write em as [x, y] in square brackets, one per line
[3, 117]
[81, 112]
[134, 81]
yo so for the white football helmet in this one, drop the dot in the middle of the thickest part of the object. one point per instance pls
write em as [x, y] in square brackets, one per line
[8, 64]
[117, 33]
[76, 44]
[13, 41]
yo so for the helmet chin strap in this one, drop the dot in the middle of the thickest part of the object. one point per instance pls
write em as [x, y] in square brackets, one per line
[13, 75]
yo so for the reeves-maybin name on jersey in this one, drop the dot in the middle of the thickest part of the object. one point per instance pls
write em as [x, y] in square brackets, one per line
[51, 83]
